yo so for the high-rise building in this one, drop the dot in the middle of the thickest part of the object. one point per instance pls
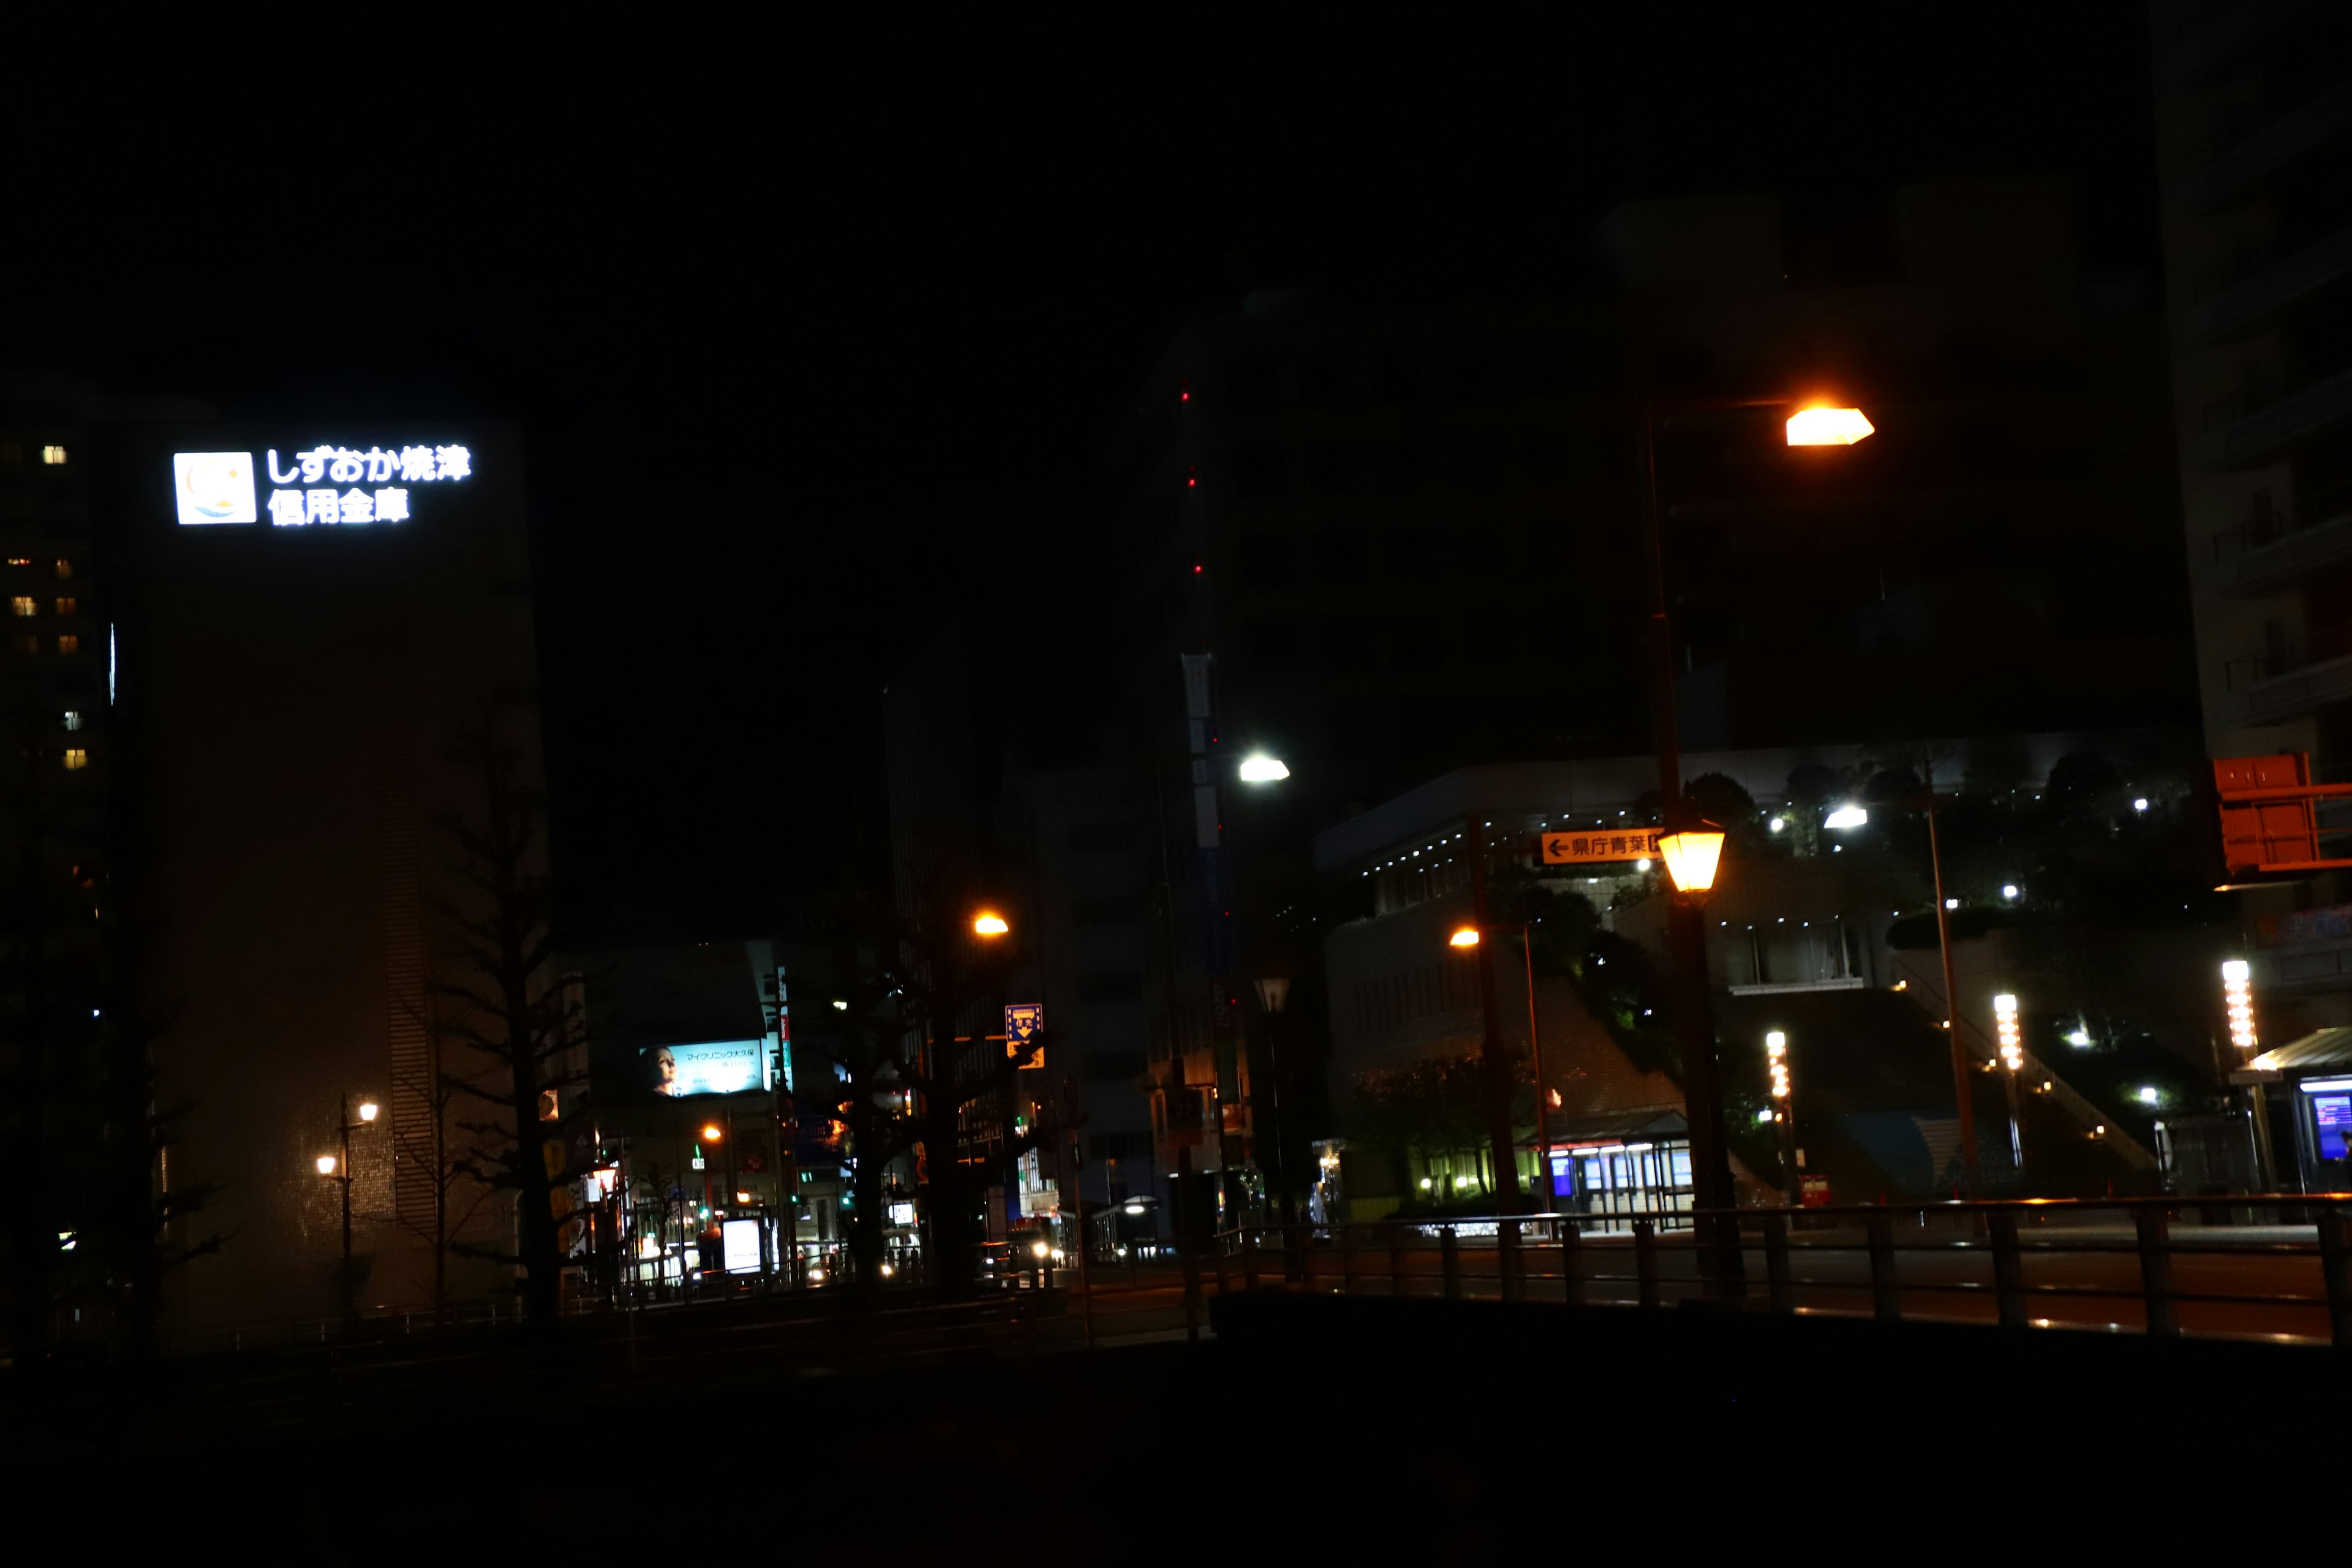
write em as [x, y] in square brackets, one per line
[305, 625]
[2254, 120]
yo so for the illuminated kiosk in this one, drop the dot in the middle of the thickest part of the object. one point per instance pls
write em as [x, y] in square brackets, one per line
[1622, 1166]
[305, 618]
[2314, 1073]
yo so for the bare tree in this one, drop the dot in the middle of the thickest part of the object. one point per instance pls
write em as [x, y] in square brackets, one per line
[511, 1009]
[436, 1157]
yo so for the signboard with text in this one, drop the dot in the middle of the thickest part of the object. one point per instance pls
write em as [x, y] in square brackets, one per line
[1583, 846]
[1023, 1021]
[326, 485]
[707, 1067]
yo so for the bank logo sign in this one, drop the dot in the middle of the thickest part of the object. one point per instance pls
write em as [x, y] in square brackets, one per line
[335, 484]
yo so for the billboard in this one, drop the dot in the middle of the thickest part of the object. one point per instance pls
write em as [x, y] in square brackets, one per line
[326, 484]
[707, 1067]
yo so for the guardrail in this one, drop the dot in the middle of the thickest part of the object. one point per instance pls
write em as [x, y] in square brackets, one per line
[2269, 1266]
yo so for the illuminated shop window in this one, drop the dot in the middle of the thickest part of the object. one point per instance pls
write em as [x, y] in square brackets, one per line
[65, 606]
[53, 456]
[25, 605]
[73, 718]
[76, 757]
[65, 567]
[69, 644]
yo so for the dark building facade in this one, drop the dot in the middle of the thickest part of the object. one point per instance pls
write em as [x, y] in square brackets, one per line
[307, 622]
[2254, 120]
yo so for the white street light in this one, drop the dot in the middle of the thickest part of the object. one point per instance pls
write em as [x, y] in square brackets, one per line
[1846, 816]
[1259, 768]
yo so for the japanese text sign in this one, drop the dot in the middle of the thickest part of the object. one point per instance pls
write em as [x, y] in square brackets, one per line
[1581, 847]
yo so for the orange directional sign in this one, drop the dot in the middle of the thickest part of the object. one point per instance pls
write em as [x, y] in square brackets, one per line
[1580, 848]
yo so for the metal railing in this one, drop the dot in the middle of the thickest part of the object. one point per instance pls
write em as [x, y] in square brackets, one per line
[2269, 1266]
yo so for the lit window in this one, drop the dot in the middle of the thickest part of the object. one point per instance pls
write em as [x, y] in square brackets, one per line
[65, 567]
[76, 757]
[25, 605]
[69, 644]
[73, 718]
[65, 606]
[53, 456]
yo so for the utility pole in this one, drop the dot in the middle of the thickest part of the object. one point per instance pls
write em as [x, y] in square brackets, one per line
[1496, 1072]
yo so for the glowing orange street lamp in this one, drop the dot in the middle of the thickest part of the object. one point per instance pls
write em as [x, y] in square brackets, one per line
[1692, 854]
[326, 1164]
[988, 924]
[1466, 937]
[711, 1133]
[1827, 427]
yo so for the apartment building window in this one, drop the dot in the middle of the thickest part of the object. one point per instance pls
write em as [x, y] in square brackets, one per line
[69, 644]
[65, 567]
[25, 604]
[73, 718]
[27, 643]
[53, 456]
[66, 606]
[76, 757]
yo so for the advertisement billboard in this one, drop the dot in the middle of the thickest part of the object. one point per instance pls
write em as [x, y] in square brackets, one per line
[707, 1067]
[328, 484]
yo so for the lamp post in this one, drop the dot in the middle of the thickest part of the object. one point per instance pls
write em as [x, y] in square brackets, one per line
[1784, 1112]
[1273, 995]
[2013, 1059]
[339, 1169]
[1468, 937]
[2238, 1000]
[1686, 930]
[1963, 1095]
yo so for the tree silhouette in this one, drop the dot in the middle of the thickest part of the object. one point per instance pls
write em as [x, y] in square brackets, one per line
[510, 1009]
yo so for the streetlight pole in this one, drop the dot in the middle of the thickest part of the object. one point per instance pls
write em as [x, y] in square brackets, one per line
[1963, 1092]
[1496, 1073]
[2013, 1059]
[1543, 1091]
[1472, 937]
[339, 1169]
[1776, 1060]
[1685, 917]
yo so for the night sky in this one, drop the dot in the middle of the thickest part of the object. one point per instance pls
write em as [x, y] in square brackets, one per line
[814, 340]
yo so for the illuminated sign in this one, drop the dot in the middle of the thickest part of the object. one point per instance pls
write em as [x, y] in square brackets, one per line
[331, 485]
[1612, 844]
[1023, 1021]
[708, 1067]
[739, 1241]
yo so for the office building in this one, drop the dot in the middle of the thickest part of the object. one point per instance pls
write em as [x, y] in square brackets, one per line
[2253, 121]
[304, 623]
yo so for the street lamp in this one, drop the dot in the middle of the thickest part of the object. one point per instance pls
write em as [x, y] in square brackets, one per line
[339, 1170]
[1827, 427]
[2238, 999]
[1259, 768]
[1776, 1060]
[1463, 939]
[988, 925]
[1692, 855]
[1695, 1028]
[1964, 1097]
[2012, 1057]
